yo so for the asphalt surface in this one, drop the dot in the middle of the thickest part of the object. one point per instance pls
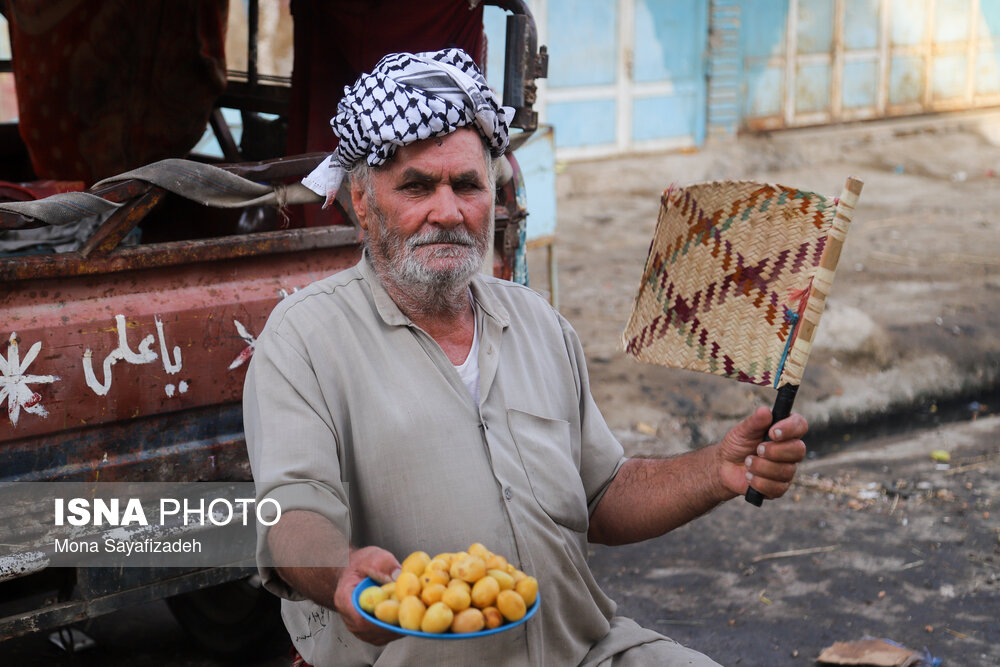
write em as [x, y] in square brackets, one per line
[875, 540]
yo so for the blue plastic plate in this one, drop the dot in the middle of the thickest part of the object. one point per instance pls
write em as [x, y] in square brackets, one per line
[431, 635]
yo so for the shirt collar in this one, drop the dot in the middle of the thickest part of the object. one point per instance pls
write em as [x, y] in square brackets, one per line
[393, 316]
[487, 301]
[386, 307]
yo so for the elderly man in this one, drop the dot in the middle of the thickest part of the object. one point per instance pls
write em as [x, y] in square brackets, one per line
[418, 404]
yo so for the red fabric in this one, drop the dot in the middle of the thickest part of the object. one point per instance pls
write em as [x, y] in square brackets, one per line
[104, 87]
[36, 189]
[336, 41]
[298, 660]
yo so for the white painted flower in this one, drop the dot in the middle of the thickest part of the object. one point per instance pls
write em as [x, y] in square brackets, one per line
[247, 352]
[14, 382]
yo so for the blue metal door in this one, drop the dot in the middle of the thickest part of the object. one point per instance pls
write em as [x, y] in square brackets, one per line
[808, 62]
[624, 75]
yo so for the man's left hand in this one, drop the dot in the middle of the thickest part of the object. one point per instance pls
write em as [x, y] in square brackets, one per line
[751, 454]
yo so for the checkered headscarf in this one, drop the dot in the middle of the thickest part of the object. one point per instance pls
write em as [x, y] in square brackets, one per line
[407, 98]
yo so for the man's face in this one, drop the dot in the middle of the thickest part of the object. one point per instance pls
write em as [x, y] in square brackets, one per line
[430, 220]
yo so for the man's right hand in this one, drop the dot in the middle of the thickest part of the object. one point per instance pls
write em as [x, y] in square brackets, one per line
[382, 567]
[301, 536]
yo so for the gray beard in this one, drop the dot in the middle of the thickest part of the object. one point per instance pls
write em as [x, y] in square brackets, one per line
[419, 289]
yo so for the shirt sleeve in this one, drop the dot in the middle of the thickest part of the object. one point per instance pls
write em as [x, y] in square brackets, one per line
[601, 455]
[292, 444]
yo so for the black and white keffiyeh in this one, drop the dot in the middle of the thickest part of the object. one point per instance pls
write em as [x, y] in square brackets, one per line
[409, 97]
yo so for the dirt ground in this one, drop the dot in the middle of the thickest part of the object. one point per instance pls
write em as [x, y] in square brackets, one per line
[884, 542]
[875, 540]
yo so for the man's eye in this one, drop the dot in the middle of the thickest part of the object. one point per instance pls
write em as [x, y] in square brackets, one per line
[414, 186]
[467, 186]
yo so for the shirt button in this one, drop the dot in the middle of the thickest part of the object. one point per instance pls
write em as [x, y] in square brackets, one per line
[507, 493]
[489, 350]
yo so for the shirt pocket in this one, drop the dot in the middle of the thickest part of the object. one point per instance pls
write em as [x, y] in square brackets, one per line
[544, 446]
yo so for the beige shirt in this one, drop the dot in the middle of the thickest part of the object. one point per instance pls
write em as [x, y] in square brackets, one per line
[348, 404]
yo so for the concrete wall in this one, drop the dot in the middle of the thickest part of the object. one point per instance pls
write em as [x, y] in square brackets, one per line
[624, 75]
[634, 75]
[813, 62]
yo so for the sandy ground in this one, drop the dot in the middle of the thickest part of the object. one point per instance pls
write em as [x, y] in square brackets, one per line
[913, 313]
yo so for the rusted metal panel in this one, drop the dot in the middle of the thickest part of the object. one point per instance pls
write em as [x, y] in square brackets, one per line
[202, 444]
[144, 342]
[177, 253]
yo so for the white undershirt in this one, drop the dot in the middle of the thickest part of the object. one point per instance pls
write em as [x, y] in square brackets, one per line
[469, 370]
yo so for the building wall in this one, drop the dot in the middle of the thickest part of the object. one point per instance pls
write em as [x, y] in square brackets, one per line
[636, 75]
[624, 75]
[813, 62]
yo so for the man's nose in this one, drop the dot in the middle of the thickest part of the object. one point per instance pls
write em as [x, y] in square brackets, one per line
[446, 209]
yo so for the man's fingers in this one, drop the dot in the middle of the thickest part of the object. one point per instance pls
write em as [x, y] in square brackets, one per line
[770, 489]
[379, 564]
[757, 423]
[771, 470]
[790, 428]
[750, 431]
[769, 464]
[783, 452]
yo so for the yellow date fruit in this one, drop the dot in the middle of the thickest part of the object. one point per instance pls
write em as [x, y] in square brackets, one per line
[484, 592]
[411, 612]
[416, 562]
[370, 597]
[493, 617]
[477, 549]
[431, 594]
[457, 598]
[407, 584]
[460, 592]
[468, 620]
[438, 563]
[496, 562]
[527, 588]
[387, 611]
[511, 605]
[505, 580]
[468, 568]
[434, 577]
[458, 583]
[437, 618]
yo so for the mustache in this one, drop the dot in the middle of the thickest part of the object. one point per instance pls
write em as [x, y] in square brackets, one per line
[450, 236]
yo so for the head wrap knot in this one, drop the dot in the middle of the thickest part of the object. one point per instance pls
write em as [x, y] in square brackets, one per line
[407, 98]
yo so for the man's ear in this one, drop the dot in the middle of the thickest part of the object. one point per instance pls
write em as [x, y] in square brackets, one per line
[360, 203]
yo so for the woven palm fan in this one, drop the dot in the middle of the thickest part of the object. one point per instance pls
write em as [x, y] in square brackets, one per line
[736, 280]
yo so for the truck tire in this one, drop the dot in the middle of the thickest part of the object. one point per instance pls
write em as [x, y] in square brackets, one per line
[234, 619]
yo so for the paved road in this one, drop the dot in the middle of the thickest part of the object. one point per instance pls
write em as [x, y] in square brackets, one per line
[885, 543]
